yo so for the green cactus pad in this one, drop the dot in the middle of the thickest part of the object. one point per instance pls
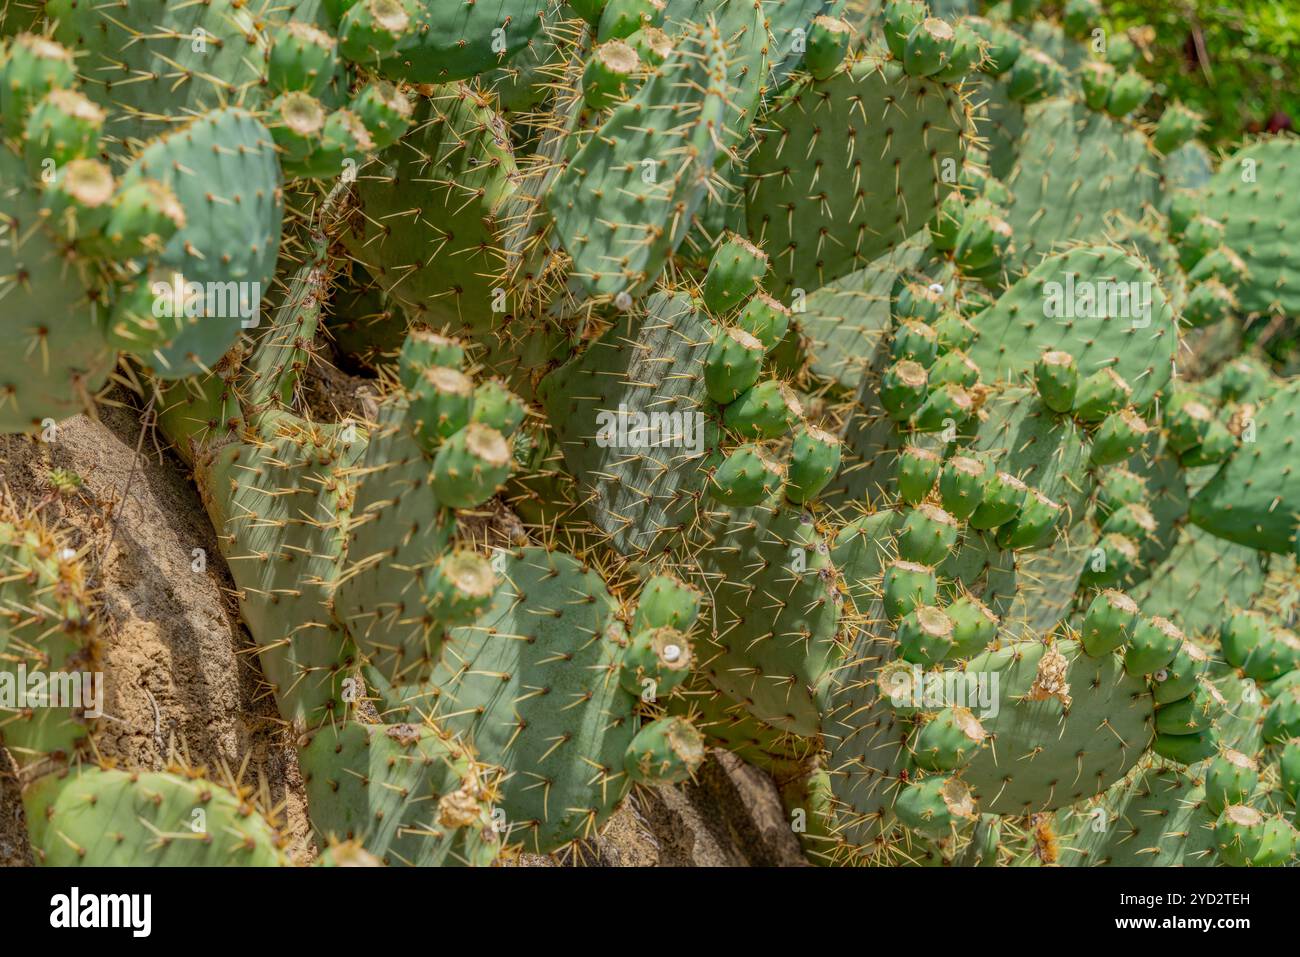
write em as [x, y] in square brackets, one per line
[96, 817]
[223, 169]
[728, 724]
[1068, 726]
[1043, 588]
[280, 508]
[1075, 166]
[1252, 197]
[827, 165]
[427, 225]
[534, 687]
[1162, 819]
[399, 529]
[755, 63]
[776, 639]
[181, 60]
[1254, 498]
[646, 364]
[1000, 123]
[454, 41]
[1021, 326]
[648, 165]
[46, 627]
[410, 794]
[868, 751]
[1202, 579]
[58, 361]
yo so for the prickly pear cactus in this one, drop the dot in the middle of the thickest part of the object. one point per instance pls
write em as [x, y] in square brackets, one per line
[639, 489]
[616, 212]
[806, 188]
[560, 733]
[223, 171]
[1252, 499]
[427, 212]
[185, 59]
[281, 503]
[891, 395]
[59, 360]
[102, 817]
[1247, 195]
[47, 626]
[408, 794]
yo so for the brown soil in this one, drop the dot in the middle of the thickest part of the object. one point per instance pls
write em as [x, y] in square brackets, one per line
[179, 683]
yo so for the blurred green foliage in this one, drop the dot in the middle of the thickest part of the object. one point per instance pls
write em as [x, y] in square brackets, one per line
[1237, 63]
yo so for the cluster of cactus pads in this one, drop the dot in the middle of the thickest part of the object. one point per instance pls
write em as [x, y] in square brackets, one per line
[856, 387]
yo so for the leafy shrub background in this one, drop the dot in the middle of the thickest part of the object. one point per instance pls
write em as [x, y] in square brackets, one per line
[1237, 63]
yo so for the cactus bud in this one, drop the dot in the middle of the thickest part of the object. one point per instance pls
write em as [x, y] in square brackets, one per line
[828, 41]
[907, 586]
[764, 411]
[746, 477]
[947, 740]
[610, 74]
[1152, 646]
[733, 364]
[917, 471]
[470, 466]
[1108, 622]
[927, 536]
[733, 274]
[814, 460]
[925, 636]
[1000, 503]
[667, 751]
